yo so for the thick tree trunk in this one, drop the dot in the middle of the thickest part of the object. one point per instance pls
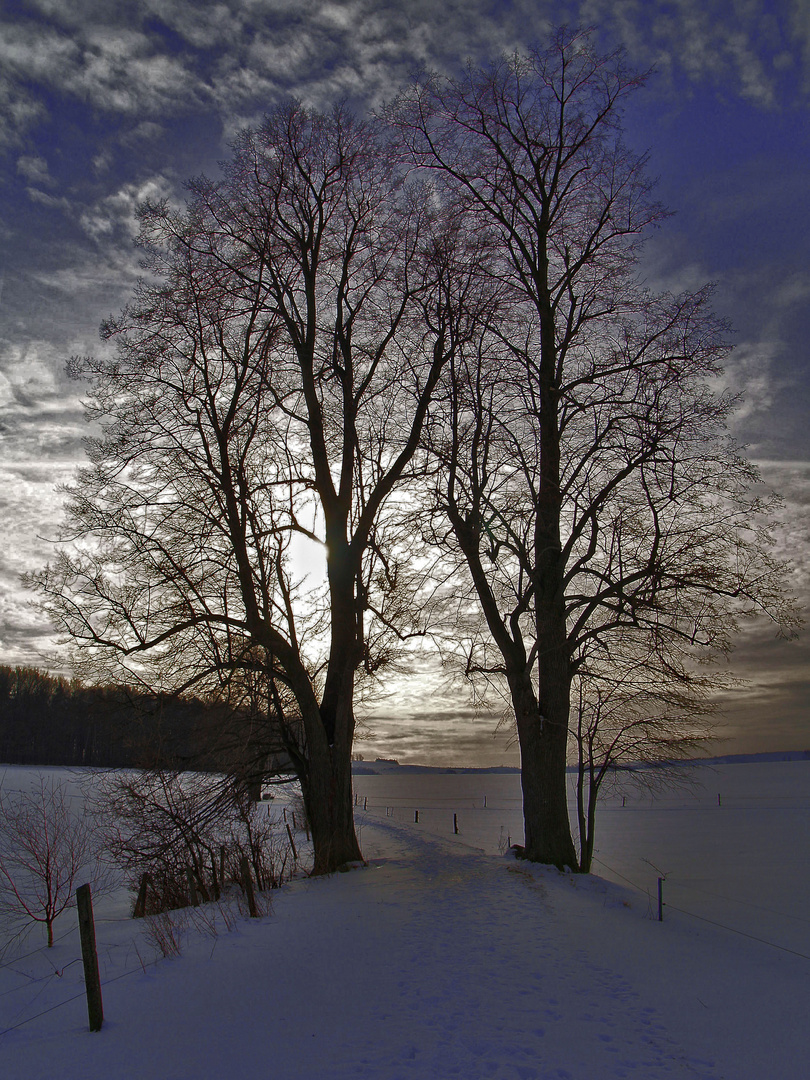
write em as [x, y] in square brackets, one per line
[543, 742]
[325, 768]
[327, 791]
[544, 738]
[542, 726]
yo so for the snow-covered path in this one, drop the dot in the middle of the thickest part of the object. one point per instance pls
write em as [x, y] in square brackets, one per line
[487, 984]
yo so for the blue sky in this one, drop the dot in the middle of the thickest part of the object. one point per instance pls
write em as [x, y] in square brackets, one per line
[103, 104]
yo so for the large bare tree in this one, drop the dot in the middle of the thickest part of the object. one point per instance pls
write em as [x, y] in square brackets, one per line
[588, 480]
[269, 387]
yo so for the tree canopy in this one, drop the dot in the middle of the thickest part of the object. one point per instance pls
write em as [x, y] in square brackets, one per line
[438, 307]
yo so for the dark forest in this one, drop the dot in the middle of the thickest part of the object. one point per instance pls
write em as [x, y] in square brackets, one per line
[51, 720]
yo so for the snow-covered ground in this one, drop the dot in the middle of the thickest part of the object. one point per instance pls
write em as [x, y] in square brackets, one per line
[443, 958]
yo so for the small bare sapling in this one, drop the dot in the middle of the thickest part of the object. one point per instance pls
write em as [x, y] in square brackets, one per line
[47, 848]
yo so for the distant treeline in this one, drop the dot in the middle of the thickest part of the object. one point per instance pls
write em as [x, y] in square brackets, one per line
[47, 720]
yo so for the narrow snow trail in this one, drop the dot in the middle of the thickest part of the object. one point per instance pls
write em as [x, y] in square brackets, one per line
[433, 962]
[476, 978]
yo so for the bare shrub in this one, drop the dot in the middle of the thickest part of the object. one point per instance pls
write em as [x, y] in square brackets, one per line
[165, 934]
[166, 824]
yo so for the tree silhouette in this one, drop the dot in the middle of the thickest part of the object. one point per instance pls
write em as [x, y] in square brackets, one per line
[587, 477]
[269, 387]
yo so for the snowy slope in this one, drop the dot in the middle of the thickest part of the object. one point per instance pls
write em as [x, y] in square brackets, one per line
[441, 958]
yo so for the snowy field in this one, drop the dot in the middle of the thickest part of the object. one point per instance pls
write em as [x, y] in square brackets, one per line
[444, 958]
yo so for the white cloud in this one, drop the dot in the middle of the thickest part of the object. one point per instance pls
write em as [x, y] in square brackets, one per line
[37, 53]
[53, 202]
[319, 48]
[791, 480]
[730, 41]
[30, 513]
[40, 413]
[749, 371]
[792, 291]
[202, 25]
[110, 66]
[26, 373]
[120, 71]
[116, 212]
[35, 169]
[19, 110]
[146, 131]
[345, 16]
[799, 22]
[93, 279]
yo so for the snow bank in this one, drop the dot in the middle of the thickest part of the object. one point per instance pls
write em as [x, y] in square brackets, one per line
[443, 958]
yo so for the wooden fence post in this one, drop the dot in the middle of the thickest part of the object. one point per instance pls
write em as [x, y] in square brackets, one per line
[455, 824]
[292, 843]
[416, 817]
[247, 883]
[214, 879]
[87, 933]
[140, 903]
[193, 897]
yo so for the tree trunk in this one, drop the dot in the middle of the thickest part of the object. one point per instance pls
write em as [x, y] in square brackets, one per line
[587, 851]
[325, 768]
[584, 861]
[543, 744]
[327, 791]
[542, 726]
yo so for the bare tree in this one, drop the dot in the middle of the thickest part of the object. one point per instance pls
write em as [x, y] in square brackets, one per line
[269, 389]
[46, 849]
[583, 446]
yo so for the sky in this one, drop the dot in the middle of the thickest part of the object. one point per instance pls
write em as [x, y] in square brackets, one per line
[104, 104]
